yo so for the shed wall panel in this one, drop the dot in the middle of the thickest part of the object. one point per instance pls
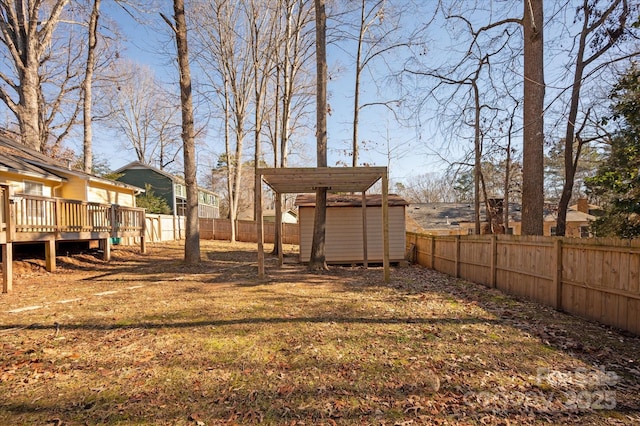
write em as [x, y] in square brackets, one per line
[344, 234]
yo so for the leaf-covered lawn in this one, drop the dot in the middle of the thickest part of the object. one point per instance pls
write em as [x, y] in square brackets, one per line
[145, 340]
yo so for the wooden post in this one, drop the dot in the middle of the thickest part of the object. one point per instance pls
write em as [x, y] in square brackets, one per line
[385, 226]
[143, 233]
[457, 261]
[433, 252]
[50, 254]
[365, 254]
[114, 220]
[106, 249]
[58, 217]
[7, 267]
[259, 221]
[7, 248]
[279, 228]
[557, 276]
[494, 261]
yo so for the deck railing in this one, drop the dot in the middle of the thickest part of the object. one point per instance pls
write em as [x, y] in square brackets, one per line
[32, 214]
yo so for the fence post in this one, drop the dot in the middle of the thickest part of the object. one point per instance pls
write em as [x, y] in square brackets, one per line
[143, 232]
[557, 273]
[433, 252]
[494, 261]
[457, 237]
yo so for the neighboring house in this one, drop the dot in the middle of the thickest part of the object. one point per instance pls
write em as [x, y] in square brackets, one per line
[459, 219]
[30, 172]
[579, 218]
[289, 216]
[344, 230]
[171, 188]
[439, 218]
[269, 216]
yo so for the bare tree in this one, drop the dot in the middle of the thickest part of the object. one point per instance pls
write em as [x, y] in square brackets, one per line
[262, 42]
[317, 259]
[37, 58]
[146, 114]
[604, 27]
[427, 188]
[471, 96]
[87, 87]
[291, 89]
[192, 239]
[376, 29]
[226, 61]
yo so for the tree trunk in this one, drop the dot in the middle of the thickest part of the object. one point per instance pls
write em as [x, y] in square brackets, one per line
[507, 178]
[88, 87]
[356, 90]
[317, 260]
[192, 241]
[533, 137]
[477, 170]
[29, 117]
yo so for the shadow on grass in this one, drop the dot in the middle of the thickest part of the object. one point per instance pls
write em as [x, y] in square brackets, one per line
[329, 319]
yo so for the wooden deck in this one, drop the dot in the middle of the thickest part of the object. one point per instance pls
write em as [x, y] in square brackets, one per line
[31, 219]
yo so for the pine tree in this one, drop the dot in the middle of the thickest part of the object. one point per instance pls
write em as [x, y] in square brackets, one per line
[618, 178]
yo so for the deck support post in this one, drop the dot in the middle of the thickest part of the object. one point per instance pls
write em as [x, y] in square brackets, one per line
[7, 267]
[105, 245]
[50, 255]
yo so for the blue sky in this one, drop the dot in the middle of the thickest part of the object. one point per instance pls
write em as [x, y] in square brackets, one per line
[420, 149]
[380, 131]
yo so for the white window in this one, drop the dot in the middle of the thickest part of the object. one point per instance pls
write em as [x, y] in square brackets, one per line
[584, 232]
[180, 190]
[33, 188]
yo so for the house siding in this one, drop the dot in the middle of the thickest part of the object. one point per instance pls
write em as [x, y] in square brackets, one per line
[344, 234]
[104, 195]
[75, 189]
[16, 182]
[162, 185]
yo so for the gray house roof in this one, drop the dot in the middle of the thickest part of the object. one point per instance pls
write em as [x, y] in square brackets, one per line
[171, 177]
[450, 215]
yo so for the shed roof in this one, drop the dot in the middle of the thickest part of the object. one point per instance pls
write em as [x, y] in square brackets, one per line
[339, 200]
[303, 180]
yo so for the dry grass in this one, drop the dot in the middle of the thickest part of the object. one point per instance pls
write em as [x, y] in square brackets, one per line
[146, 340]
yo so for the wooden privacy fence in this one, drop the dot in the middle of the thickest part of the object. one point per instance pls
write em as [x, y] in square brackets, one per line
[247, 231]
[598, 279]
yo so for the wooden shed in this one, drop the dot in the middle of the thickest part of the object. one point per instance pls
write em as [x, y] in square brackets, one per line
[344, 229]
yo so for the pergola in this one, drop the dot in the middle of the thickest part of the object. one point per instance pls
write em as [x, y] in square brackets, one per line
[334, 179]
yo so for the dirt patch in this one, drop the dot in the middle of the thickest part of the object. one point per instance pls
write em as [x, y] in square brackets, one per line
[144, 339]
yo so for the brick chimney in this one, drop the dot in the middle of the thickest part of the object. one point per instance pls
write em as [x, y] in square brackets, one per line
[583, 205]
